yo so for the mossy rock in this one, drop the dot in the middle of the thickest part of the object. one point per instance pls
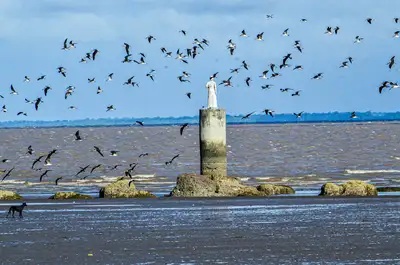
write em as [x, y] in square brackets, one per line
[388, 189]
[194, 185]
[69, 195]
[121, 189]
[9, 195]
[269, 189]
[350, 188]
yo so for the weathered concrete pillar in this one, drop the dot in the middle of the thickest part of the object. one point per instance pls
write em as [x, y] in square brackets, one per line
[212, 128]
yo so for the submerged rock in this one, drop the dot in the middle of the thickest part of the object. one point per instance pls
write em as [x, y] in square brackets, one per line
[122, 189]
[69, 195]
[388, 189]
[194, 185]
[350, 188]
[9, 195]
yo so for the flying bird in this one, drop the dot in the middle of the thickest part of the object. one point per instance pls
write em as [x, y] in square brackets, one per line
[110, 108]
[189, 94]
[98, 151]
[353, 115]
[94, 53]
[150, 38]
[270, 112]
[8, 173]
[140, 123]
[41, 78]
[57, 180]
[172, 160]
[44, 174]
[46, 90]
[13, 92]
[298, 115]
[78, 136]
[183, 127]
[369, 20]
[247, 115]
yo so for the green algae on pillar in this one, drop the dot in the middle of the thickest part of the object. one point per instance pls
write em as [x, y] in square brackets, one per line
[212, 130]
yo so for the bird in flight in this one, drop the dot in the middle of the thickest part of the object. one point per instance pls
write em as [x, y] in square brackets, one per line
[13, 92]
[269, 112]
[172, 160]
[247, 115]
[140, 123]
[97, 149]
[189, 94]
[78, 136]
[183, 127]
[298, 115]
[110, 108]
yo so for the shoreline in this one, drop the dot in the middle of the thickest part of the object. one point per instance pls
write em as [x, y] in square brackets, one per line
[213, 230]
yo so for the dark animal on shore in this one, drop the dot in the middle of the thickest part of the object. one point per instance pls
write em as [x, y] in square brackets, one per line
[14, 209]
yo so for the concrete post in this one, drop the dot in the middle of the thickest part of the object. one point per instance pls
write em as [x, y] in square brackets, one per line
[212, 128]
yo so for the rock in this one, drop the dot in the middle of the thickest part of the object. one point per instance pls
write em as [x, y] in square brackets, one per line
[69, 195]
[121, 189]
[388, 189]
[194, 185]
[350, 188]
[269, 189]
[9, 195]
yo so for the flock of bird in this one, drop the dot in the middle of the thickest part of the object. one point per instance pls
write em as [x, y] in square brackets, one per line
[185, 56]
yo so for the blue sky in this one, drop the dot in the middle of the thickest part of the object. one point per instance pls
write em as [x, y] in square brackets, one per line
[32, 34]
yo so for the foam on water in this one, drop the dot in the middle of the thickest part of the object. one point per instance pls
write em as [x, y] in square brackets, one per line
[370, 171]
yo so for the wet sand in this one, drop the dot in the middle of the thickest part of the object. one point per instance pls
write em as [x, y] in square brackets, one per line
[289, 230]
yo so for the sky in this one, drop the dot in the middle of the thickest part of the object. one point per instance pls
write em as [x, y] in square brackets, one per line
[32, 34]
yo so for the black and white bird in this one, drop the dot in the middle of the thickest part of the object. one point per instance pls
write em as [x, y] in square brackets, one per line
[114, 153]
[4, 108]
[42, 77]
[285, 33]
[266, 86]
[22, 113]
[269, 112]
[260, 36]
[297, 93]
[264, 74]
[298, 67]
[317, 76]
[183, 127]
[336, 30]
[110, 108]
[91, 80]
[189, 95]
[94, 53]
[46, 90]
[150, 38]
[109, 77]
[78, 136]
[243, 34]
[369, 20]
[345, 64]
[44, 174]
[329, 31]
[140, 123]
[150, 74]
[127, 47]
[391, 62]
[298, 115]
[27, 79]
[97, 149]
[358, 39]
[99, 90]
[248, 79]
[353, 115]
[13, 92]
[61, 70]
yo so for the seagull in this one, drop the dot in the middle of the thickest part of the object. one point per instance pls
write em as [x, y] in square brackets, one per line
[95, 51]
[44, 174]
[298, 67]
[297, 93]
[13, 92]
[358, 39]
[270, 112]
[127, 46]
[8, 174]
[78, 136]
[65, 46]
[369, 20]
[150, 75]
[98, 150]
[328, 31]
[298, 115]
[149, 38]
[57, 180]
[344, 65]
[266, 86]
[99, 90]
[391, 62]
[182, 80]
[110, 77]
[247, 115]
[37, 102]
[141, 61]
[260, 36]
[243, 34]
[46, 89]
[30, 150]
[245, 65]
[285, 89]
[114, 153]
[317, 76]
[109, 108]
[22, 113]
[183, 127]
[140, 123]
[189, 94]
[27, 79]
[61, 70]
[285, 33]
[41, 77]
[353, 115]
[264, 74]
[93, 168]
[248, 79]
[350, 59]
[172, 160]
[37, 161]
[336, 30]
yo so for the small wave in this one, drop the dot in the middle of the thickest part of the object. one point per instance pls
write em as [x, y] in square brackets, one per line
[370, 171]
